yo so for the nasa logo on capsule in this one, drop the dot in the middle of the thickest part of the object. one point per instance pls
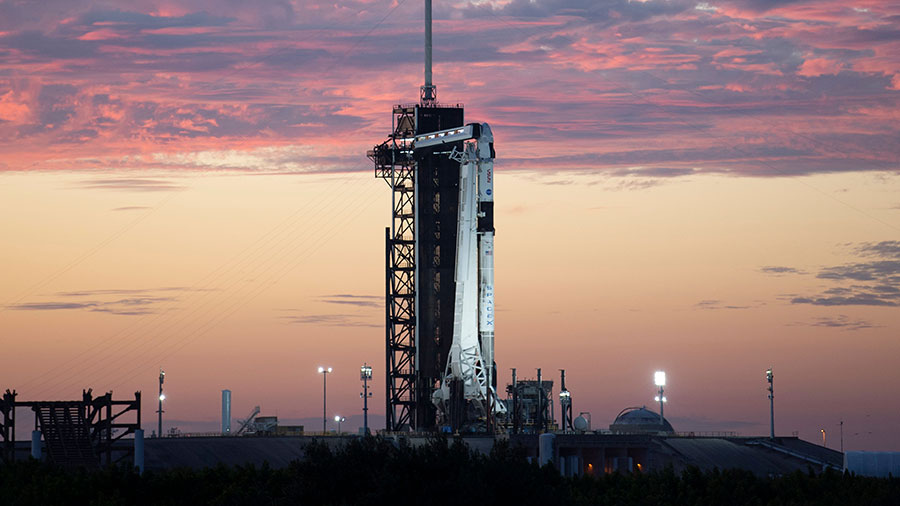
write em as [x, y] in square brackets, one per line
[489, 191]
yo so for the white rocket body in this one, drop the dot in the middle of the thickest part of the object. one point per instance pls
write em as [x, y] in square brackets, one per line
[471, 357]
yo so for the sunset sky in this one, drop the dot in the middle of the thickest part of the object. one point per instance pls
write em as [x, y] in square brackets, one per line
[709, 188]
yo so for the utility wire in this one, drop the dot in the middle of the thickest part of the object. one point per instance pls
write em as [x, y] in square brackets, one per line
[161, 322]
[60, 372]
[84, 256]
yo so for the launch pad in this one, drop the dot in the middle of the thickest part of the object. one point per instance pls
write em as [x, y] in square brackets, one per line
[439, 316]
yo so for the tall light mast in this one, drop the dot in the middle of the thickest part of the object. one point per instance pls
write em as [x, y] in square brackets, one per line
[162, 397]
[660, 379]
[770, 377]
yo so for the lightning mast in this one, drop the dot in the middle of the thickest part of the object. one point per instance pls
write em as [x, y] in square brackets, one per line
[428, 94]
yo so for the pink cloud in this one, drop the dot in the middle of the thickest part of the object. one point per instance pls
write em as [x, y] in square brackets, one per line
[192, 76]
[102, 34]
[13, 109]
[819, 66]
[737, 87]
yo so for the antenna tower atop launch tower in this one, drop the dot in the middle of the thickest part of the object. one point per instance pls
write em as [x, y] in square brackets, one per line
[428, 94]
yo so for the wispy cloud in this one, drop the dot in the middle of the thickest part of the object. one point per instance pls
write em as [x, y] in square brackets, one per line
[128, 302]
[883, 249]
[842, 322]
[653, 172]
[873, 282]
[778, 270]
[712, 304]
[338, 320]
[368, 311]
[130, 208]
[123, 291]
[131, 184]
[354, 300]
[134, 306]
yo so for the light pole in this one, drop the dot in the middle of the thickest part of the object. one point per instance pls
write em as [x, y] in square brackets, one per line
[162, 397]
[339, 419]
[324, 372]
[770, 377]
[565, 403]
[660, 379]
[565, 399]
[365, 374]
[823, 438]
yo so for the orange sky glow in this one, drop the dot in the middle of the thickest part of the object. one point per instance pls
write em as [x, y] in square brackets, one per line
[708, 188]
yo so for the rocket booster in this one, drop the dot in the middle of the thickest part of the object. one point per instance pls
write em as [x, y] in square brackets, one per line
[485, 155]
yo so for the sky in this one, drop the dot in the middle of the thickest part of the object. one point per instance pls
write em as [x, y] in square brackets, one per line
[709, 188]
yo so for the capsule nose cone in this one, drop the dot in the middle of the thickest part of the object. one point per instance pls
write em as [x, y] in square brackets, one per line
[486, 131]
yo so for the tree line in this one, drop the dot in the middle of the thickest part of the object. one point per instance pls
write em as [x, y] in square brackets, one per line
[377, 471]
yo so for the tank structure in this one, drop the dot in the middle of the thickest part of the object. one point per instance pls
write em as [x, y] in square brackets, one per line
[439, 318]
[226, 412]
[529, 403]
[640, 420]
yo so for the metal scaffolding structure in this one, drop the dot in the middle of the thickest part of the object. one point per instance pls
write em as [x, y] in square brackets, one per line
[81, 433]
[420, 249]
[394, 164]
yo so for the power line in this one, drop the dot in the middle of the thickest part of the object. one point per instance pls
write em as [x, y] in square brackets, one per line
[60, 372]
[84, 256]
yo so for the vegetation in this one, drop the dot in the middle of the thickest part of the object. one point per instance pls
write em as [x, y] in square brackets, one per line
[376, 471]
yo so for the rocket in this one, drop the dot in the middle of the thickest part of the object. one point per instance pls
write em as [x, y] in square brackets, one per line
[471, 355]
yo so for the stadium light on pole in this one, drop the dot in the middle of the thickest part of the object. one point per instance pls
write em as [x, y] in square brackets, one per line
[365, 374]
[660, 379]
[162, 397]
[771, 388]
[324, 372]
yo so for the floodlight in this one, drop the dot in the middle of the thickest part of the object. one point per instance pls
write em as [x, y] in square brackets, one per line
[337, 418]
[162, 397]
[660, 378]
[365, 374]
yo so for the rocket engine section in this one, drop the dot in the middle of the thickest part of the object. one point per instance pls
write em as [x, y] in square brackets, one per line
[467, 396]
